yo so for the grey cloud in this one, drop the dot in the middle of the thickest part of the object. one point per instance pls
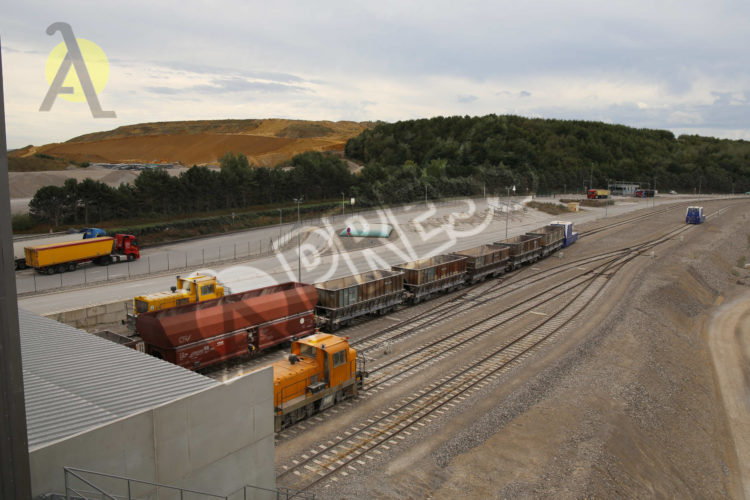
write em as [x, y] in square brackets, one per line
[13, 50]
[466, 98]
[229, 85]
[727, 111]
[164, 90]
[524, 93]
[204, 69]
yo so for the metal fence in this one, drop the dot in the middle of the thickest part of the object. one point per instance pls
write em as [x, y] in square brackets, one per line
[89, 485]
[175, 260]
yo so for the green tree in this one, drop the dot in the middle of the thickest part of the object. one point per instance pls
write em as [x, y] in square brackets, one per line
[48, 205]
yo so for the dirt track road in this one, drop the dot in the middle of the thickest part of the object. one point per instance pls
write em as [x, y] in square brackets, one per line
[729, 339]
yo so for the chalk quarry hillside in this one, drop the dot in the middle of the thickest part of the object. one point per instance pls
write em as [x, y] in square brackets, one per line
[265, 142]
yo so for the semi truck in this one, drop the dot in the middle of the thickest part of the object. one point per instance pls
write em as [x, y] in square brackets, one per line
[66, 256]
[595, 194]
[21, 242]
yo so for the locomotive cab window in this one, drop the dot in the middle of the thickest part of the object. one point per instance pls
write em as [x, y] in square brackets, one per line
[307, 351]
[339, 358]
[141, 306]
[207, 289]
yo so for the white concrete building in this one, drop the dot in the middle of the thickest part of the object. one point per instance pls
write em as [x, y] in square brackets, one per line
[95, 405]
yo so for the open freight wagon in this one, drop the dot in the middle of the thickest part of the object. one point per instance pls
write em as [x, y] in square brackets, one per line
[552, 238]
[425, 277]
[343, 299]
[484, 261]
[203, 333]
[523, 249]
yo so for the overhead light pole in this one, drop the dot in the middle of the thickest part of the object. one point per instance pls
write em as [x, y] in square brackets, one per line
[279, 225]
[606, 201]
[298, 201]
[507, 212]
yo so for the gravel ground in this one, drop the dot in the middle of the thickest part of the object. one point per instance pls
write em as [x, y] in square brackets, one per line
[624, 406]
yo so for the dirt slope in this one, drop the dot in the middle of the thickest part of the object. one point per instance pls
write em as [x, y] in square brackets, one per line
[264, 142]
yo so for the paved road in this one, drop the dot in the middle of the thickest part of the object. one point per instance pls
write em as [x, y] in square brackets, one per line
[419, 231]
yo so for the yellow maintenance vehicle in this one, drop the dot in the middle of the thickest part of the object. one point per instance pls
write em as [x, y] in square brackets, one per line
[188, 290]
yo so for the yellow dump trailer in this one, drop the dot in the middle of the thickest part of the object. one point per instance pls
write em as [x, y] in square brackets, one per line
[58, 257]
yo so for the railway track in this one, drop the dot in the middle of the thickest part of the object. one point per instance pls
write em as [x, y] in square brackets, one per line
[408, 415]
[350, 450]
[443, 307]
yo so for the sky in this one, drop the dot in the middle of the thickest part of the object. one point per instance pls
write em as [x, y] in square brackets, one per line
[681, 65]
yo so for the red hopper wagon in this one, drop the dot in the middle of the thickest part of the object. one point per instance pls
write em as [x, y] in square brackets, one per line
[203, 333]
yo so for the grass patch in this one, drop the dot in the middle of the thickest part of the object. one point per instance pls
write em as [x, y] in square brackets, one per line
[585, 202]
[305, 130]
[36, 163]
[189, 227]
[548, 208]
[22, 222]
[177, 127]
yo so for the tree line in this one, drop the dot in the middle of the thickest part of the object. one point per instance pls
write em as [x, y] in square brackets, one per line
[155, 193]
[417, 159]
[544, 155]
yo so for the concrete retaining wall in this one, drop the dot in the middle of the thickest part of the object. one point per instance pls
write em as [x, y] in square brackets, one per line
[93, 316]
[215, 441]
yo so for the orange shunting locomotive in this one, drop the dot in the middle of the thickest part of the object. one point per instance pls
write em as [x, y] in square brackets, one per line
[321, 370]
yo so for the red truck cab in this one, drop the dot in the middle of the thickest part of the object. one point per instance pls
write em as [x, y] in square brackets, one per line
[126, 244]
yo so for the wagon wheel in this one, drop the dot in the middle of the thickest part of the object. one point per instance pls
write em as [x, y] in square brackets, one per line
[71, 266]
[49, 270]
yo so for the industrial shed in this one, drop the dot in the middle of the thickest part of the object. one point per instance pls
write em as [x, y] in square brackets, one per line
[96, 405]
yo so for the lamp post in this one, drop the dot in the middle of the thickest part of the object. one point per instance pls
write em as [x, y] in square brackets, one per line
[507, 213]
[279, 225]
[606, 202]
[298, 201]
[342, 205]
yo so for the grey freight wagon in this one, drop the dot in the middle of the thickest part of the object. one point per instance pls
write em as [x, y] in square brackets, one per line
[484, 261]
[552, 236]
[425, 277]
[343, 299]
[523, 249]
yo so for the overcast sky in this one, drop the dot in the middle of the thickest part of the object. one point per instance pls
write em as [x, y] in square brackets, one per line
[678, 65]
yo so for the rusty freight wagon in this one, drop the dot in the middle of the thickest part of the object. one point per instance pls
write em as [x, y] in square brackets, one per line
[425, 277]
[484, 261]
[203, 333]
[553, 237]
[343, 299]
[523, 249]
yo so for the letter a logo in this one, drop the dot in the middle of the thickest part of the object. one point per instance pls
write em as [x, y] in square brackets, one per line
[65, 83]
